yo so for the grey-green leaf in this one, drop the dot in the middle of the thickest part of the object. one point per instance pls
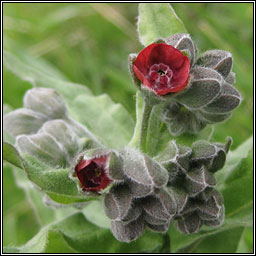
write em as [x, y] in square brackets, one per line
[11, 155]
[158, 20]
[55, 182]
[103, 117]
[39, 79]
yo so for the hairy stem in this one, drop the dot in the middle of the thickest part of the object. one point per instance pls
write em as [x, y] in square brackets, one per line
[147, 112]
[143, 112]
[148, 125]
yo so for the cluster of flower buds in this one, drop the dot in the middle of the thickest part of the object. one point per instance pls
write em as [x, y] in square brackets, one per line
[141, 192]
[43, 128]
[196, 91]
[137, 196]
[192, 181]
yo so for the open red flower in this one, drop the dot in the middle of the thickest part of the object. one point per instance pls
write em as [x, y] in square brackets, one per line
[92, 173]
[162, 68]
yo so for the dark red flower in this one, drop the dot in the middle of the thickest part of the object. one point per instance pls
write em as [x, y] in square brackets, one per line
[162, 68]
[92, 173]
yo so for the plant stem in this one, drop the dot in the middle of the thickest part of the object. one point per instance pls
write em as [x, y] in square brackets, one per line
[135, 141]
[148, 124]
[143, 111]
[153, 130]
[166, 247]
[147, 110]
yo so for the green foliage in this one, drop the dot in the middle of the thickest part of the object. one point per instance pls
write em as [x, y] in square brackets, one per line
[11, 155]
[158, 21]
[76, 234]
[113, 118]
[68, 36]
[83, 107]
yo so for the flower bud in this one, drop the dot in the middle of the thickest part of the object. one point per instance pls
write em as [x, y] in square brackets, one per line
[190, 207]
[127, 232]
[198, 179]
[217, 221]
[143, 172]
[155, 209]
[45, 101]
[139, 190]
[23, 121]
[175, 159]
[228, 101]
[55, 144]
[210, 118]
[159, 228]
[205, 195]
[218, 60]
[189, 224]
[92, 170]
[213, 156]
[205, 86]
[161, 207]
[175, 114]
[231, 78]
[212, 209]
[180, 196]
[118, 204]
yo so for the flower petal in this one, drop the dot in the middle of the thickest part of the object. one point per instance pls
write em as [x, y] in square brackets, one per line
[166, 54]
[183, 42]
[142, 59]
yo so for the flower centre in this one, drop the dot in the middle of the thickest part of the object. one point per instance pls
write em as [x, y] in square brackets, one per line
[160, 75]
[97, 172]
[161, 72]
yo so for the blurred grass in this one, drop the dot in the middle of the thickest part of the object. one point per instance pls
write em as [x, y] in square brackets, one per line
[90, 43]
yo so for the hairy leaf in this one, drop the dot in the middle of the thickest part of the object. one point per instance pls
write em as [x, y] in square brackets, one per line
[76, 234]
[157, 20]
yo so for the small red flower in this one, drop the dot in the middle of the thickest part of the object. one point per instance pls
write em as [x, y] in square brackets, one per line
[162, 68]
[92, 173]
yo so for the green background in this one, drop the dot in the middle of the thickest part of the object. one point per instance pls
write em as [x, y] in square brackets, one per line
[89, 44]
